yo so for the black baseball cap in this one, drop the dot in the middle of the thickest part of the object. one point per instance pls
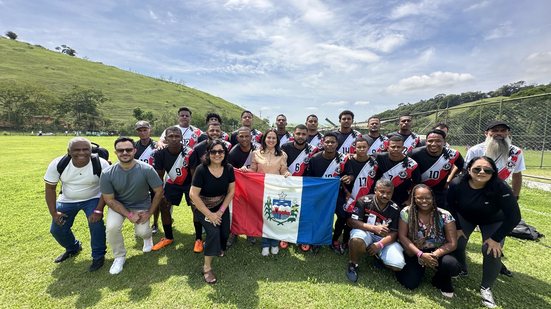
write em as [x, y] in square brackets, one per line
[496, 123]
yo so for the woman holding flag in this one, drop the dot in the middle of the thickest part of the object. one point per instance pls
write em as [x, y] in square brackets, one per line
[269, 159]
[212, 190]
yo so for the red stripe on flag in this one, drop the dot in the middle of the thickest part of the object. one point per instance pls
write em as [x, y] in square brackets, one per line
[247, 217]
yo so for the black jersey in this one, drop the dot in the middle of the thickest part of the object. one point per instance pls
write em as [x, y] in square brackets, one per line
[203, 137]
[145, 153]
[284, 138]
[255, 134]
[346, 141]
[238, 158]
[176, 166]
[318, 166]
[411, 140]
[435, 170]
[367, 210]
[376, 144]
[315, 140]
[403, 174]
[298, 159]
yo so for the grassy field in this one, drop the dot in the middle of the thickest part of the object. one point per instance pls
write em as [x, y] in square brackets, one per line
[171, 278]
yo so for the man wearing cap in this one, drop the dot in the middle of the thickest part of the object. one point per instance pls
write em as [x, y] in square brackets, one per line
[508, 157]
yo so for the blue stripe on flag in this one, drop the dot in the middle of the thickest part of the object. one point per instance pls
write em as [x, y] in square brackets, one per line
[319, 197]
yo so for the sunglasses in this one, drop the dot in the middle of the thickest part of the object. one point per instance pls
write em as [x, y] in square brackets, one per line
[123, 150]
[215, 152]
[487, 170]
[424, 199]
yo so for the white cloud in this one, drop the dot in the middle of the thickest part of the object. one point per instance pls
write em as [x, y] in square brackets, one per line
[311, 108]
[502, 31]
[425, 7]
[361, 103]
[434, 80]
[426, 55]
[478, 5]
[243, 4]
[539, 62]
[153, 15]
[335, 103]
[313, 11]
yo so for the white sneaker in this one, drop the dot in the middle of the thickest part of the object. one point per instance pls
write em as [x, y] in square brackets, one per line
[265, 251]
[275, 250]
[118, 263]
[447, 294]
[487, 297]
[147, 244]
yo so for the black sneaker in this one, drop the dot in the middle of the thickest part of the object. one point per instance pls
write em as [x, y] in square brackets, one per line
[251, 240]
[505, 271]
[154, 229]
[68, 254]
[231, 240]
[96, 264]
[462, 273]
[352, 272]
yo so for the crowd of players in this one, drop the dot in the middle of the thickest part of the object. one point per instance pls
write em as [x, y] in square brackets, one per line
[401, 199]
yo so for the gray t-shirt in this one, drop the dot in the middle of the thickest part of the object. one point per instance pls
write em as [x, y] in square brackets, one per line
[131, 187]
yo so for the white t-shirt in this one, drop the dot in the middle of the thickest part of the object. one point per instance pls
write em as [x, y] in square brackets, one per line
[77, 183]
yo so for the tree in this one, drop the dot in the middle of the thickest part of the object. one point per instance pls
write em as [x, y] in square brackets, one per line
[64, 49]
[80, 108]
[12, 35]
[138, 113]
[21, 102]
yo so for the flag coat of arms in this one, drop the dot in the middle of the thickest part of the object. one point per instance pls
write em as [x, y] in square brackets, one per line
[294, 209]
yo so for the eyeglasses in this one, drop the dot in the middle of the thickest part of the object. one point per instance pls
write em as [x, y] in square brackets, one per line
[216, 152]
[123, 150]
[487, 170]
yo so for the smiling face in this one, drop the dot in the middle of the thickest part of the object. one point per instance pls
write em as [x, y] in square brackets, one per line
[498, 132]
[244, 138]
[214, 131]
[271, 140]
[125, 151]
[80, 153]
[481, 171]
[423, 199]
[435, 144]
[216, 154]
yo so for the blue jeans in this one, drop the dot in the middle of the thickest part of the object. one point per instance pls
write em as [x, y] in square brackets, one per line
[66, 238]
[269, 242]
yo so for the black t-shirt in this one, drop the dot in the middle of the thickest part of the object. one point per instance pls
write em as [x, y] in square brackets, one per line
[341, 138]
[164, 161]
[141, 148]
[356, 167]
[237, 157]
[204, 137]
[318, 165]
[291, 151]
[255, 134]
[437, 178]
[210, 185]
[484, 206]
[366, 210]
[401, 192]
[198, 154]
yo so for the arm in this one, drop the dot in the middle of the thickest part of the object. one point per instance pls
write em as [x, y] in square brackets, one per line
[381, 230]
[451, 238]
[144, 216]
[119, 207]
[511, 211]
[516, 184]
[410, 248]
[283, 165]
[194, 195]
[50, 196]
[374, 248]
[98, 212]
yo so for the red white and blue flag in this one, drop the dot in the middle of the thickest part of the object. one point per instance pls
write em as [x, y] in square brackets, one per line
[294, 209]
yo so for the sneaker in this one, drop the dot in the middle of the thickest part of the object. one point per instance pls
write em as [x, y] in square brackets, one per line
[147, 244]
[446, 291]
[96, 264]
[231, 240]
[68, 254]
[304, 248]
[251, 240]
[283, 244]
[344, 246]
[505, 271]
[487, 297]
[275, 250]
[447, 294]
[161, 244]
[336, 247]
[265, 251]
[462, 273]
[352, 272]
[198, 246]
[154, 229]
[117, 266]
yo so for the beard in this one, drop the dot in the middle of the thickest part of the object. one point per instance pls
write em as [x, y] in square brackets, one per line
[498, 149]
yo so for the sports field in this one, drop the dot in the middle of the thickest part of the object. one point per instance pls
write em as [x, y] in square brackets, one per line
[172, 277]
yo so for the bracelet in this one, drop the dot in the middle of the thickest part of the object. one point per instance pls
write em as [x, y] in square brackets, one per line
[419, 253]
[130, 215]
[97, 211]
[380, 244]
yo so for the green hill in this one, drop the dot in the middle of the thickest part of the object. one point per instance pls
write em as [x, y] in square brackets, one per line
[59, 73]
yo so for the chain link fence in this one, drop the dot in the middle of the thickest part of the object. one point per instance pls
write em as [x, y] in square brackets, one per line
[529, 117]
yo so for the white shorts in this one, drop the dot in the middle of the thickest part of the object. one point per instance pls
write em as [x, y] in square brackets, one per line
[392, 255]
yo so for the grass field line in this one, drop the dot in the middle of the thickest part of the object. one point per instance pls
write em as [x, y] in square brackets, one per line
[545, 214]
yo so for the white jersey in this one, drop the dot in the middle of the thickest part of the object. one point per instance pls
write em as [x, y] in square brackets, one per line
[514, 163]
[190, 135]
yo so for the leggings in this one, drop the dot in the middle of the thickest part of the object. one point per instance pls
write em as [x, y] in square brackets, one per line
[412, 274]
[490, 265]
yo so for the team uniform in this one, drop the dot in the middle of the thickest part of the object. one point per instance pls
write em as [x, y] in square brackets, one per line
[190, 135]
[145, 153]
[199, 152]
[378, 144]
[367, 210]
[238, 158]
[403, 174]
[364, 180]
[514, 163]
[346, 141]
[411, 141]
[297, 159]
[435, 170]
[315, 140]
[225, 136]
[285, 138]
[178, 178]
[255, 134]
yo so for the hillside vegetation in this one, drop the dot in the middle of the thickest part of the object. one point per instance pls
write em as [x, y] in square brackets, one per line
[25, 65]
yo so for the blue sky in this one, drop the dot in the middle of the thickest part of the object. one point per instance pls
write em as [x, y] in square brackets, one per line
[302, 57]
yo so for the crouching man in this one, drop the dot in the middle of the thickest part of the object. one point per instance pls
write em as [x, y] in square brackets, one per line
[374, 224]
[125, 189]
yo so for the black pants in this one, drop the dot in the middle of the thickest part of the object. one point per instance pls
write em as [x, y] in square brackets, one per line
[412, 274]
[441, 199]
[490, 265]
[341, 228]
[217, 236]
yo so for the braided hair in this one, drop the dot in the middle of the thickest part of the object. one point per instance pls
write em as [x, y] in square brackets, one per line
[413, 222]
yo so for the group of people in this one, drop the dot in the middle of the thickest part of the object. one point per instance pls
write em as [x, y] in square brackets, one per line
[410, 203]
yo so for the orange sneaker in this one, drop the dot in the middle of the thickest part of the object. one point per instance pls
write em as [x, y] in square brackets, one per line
[283, 244]
[162, 243]
[198, 247]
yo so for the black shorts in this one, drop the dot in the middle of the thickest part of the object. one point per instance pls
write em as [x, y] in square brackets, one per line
[174, 193]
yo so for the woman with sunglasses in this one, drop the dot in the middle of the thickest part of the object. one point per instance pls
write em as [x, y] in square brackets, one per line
[480, 198]
[269, 159]
[211, 191]
[428, 236]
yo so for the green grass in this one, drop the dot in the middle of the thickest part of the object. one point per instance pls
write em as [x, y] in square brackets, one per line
[58, 72]
[171, 278]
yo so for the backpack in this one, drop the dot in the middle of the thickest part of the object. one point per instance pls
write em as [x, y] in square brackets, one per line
[96, 164]
[525, 231]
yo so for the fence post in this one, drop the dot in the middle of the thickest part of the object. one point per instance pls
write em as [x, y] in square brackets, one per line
[500, 109]
[479, 125]
[544, 133]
